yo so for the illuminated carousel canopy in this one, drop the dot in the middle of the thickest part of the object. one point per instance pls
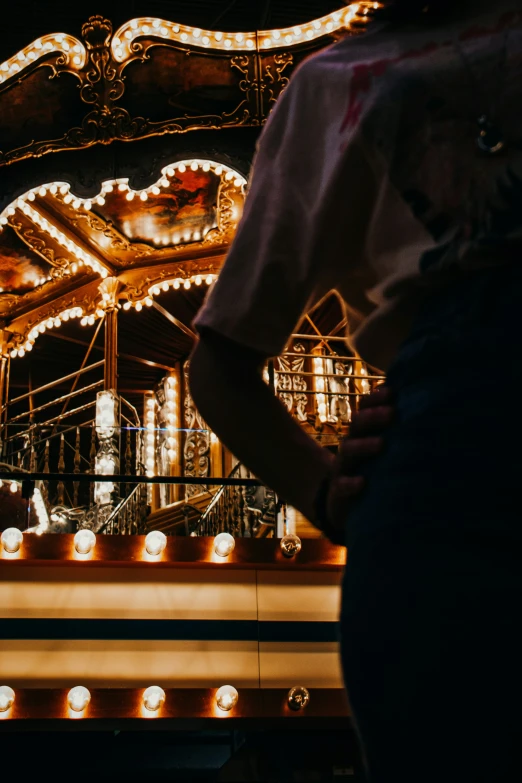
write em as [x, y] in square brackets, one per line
[108, 167]
[125, 149]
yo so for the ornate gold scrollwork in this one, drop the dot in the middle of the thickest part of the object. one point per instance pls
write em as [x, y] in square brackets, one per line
[183, 270]
[39, 242]
[264, 75]
[273, 79]
[118, 242]
[102, 88]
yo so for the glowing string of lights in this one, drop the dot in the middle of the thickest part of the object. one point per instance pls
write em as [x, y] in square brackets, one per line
[61, 190]
[70, 48]
[122, 43]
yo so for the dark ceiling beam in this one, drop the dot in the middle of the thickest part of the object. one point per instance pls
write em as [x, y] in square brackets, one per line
[173, 320]
[222, 14]
[265, 15]
[127, 356]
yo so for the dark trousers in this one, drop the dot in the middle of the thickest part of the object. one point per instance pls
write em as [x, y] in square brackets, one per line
[432, 595]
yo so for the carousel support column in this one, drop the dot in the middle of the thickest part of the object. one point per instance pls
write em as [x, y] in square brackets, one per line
[111, 350]
[108, 413]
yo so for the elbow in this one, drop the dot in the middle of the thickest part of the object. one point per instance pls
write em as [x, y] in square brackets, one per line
[209, 380]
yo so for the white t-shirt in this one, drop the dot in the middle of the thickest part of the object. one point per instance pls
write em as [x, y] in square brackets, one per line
[368, 180]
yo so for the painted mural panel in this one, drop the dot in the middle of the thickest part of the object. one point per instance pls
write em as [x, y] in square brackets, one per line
[181, 213]
[21, 270]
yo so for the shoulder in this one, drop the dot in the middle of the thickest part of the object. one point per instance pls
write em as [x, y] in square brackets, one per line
[347, 54]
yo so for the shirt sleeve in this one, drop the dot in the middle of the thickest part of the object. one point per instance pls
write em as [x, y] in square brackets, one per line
[302, 221]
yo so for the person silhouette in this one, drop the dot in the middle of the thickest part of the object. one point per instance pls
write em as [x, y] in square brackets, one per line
[390, 170]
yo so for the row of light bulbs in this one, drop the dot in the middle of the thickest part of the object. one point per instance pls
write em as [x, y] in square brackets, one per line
[61, 190]
[176, 283]
[121, 184]
[70, 48]
[155, 542]
[88, 320]
[81, 256]
[41, 512]
[171, 415]
[74, 52]
[49, 323]
[154, 697]
[215, 39]
[171, 404]
[150, 446]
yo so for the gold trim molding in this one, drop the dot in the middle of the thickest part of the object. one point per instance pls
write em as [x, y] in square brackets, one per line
[100, 60]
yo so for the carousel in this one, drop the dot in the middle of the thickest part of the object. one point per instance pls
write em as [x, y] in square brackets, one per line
[125, 153]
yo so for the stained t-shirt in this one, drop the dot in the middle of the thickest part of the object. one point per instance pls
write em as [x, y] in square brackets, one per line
[368, 180]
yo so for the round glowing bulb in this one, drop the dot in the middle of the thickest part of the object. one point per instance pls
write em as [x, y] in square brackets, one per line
[298, 698]
[224, 544]
[290, 545]
[78, 698]
[155, 542]
[153, 698]
[84, 541]
[7, 697]
[226, 697]
[11, 539]
[14, 487]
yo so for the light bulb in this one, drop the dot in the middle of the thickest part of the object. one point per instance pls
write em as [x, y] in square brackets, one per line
[7, 697]
[298, 698]
[290, 545]
[11, 539]
[153, 698]
[84, 541]
[155, 542]
[78, 698]
[224, 544]
[14, 487]
[226, 697]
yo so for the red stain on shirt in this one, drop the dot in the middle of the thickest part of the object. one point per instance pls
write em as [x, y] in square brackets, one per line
[365, 74]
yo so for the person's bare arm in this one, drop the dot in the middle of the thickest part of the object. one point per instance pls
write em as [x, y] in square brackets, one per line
[366, 441]
[228, 389]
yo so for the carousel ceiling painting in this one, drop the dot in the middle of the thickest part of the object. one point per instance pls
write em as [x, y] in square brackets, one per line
[50, 235]
[21, 268]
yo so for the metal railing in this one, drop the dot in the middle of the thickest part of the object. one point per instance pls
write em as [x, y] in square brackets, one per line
[247, 511]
